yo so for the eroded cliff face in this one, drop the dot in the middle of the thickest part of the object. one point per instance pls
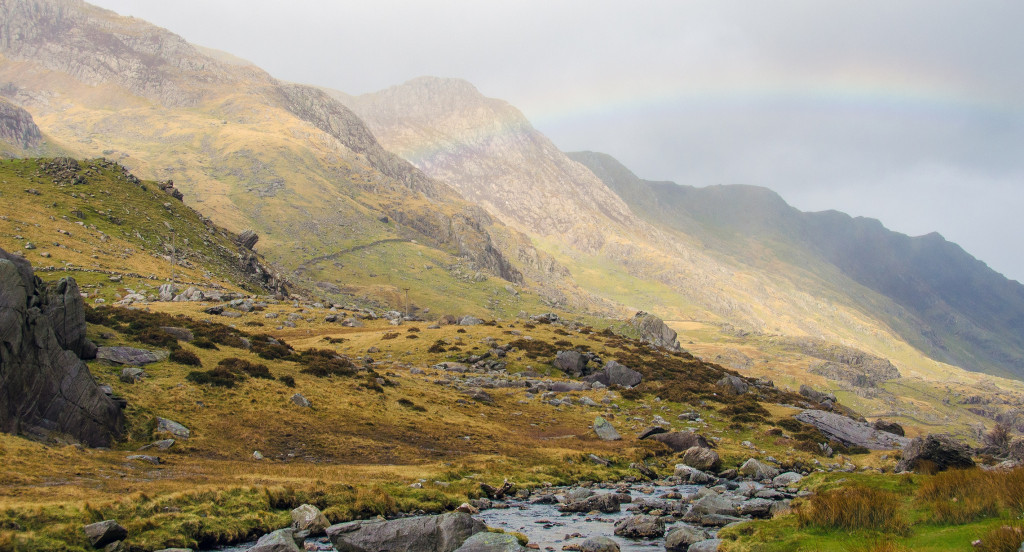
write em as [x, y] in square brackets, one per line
[17, 127]
[46, 390]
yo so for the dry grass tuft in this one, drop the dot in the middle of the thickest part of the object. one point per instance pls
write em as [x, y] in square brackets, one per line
[852, 508]
[1002, 539]
[963, 496]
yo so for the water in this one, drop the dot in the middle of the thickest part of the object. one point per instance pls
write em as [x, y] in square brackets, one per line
[551, 529]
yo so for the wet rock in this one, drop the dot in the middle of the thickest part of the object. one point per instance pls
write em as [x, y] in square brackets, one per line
[786, 479]
[715, 504]
[710, 545]
[702, 458]
[654, 331]
[443, 533]
[935, 452]
[607, 503]
[756, 507]
[604, 430]
[491, 542]
[640, 527]
[130, 355]
[282, 540]
[309, 518]
[103, 533]
[679, 441]
[757, 470]
[599, 544]
[680, 538]
[693, 475]
[851, 432]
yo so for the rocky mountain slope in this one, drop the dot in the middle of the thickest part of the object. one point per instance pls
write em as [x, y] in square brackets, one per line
[953, 306]
[252, 152]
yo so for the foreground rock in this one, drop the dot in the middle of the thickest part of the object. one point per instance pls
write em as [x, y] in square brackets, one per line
[282, 540]
[607, 503]
[47, 391]
[640, 527]
[604, 430]
[681, 538]
[936, 452]
[309, 518]
[491, 542]
[850, 432]
[702, 458]
[599, 544]
[104, 532]
[679, 441]
[616, 374]
[654, 331]
[443, 533]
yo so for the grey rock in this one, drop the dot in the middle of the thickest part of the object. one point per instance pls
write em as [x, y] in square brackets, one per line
[640, 527]
[62, 304]
[46, 389]
[679, 441]
[604, 430]
[653, 430]
[132, 374]
[145, 458]
[756, 507]
[216, 309]
[599, 544]
[702, 458]
[616, 374]
[891, 427]
[819, 397]
[470, 321]
[105, 532]
[607, 503]
[167, 292]
[309, 518]
[282, 540]
[163, 425]
[715, 504]
[572, 363]
[18, 128]
[710, 545]
[654, 331]
[301, 401]
[851, 432]
[130, 355]
[181, 334]
[757, 470]
[443, 533]
[786, 479]
[937, 451]
[491, 542]
[680, 538]
[733, 385]
[247, 239]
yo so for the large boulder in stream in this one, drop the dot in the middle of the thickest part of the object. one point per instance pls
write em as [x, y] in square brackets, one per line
[46, 391]
[443, 533]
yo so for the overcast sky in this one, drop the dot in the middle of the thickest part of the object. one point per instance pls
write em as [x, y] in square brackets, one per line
[911, 112]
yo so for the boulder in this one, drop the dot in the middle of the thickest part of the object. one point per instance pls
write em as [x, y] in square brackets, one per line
[607, 503]
[679, 441]
[817, 396]
[936, 452]
[62, 304]
[702, 458]
[181, 334]
[615, 374]
[103, 533]
[787, 479]
[599, 544]
[132, 374]
[163, 425]
[715, 504]
[248, 239]
[681, 537]
[167, 292]
[46, 389]
[604, 430]
[309, 518]
[757, 470]
[571, 362]
[653, 430]
[640, 527]
[654, 331]
[709, 545]
[282, 540]
[891, 427]
[851, 432]
[470, 321]
[491, 542]
[301, 401]
[756, 507]
[130, 355]
[443, 533]
[733, 385]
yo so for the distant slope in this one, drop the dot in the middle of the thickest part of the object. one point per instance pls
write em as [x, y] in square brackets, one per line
[969, 314]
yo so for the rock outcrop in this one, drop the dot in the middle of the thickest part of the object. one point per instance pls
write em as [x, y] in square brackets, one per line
[654, 331]
[936, 452]
[443, 533]
[851, 432]
[47, 391]
[17, 127]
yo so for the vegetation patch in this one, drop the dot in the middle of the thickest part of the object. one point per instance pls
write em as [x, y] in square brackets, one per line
[854, 507]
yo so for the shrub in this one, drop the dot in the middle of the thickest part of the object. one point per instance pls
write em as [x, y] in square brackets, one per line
[156, 337]
[219, 376]
[437, 347]
[188, 358]
[287, 380]
[204, 343]
[412, 336]
[854, 508]
[534, 348]
[323, 363]
[413, 329]
[1002, 539]
[411, 405]
[238, 365]
[268, 348]
[389, 335]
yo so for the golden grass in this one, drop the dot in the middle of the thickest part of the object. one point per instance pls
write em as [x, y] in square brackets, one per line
[963, 496]
[854, 508]
[1006, 538]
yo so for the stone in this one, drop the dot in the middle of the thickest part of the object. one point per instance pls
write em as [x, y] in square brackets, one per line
[640, 527]
[599, 544]
[715, 504]
[891, 427]
[604, 430]
[301, 401]
[215, 310]
[733, 385]
[702, 458]
[819, 397]
[491, 542]
[756, 507]
[163, 425]
[851, 432]
[615, 374]
[470, 321]
[46, 388]
[654, 331]
[607, 503]
[167, 292]
[653, 430]
[105, 532]
[679, 441]
[181, 334]
[282, 540]
[681, 537]
[247, 239]
[309, 518]
[62, 304]
[442, 533]
[935, 452]
[709, 545]
[572, 363]
[787, 479]
[132, 374]
[757, 470]
[145, 458]
[130, 355]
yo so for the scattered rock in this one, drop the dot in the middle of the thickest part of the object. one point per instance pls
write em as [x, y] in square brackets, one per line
[681, 537]
[604, 430]
[301, 401]
[145, 458]
[130, 355]
[702, 458]
[163, 425]
[891, 427]
[491, 542]
[599, 544]
[787, 479]
[309, 518]
[607, 503]
[935, 452]
[616, 374]
[443, 533]
[103, 533]
[640, 527]
[572, 363]
[757, 470]
[282, 540]
[817, 396]
[181, 334]
[851, 432]
[733, 385]
[679, 441]
[654, 331]
[470, 321]
[710, 545]
[132, 374]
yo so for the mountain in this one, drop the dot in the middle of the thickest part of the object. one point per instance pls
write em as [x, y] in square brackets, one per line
[334, 210]
[962, 311]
